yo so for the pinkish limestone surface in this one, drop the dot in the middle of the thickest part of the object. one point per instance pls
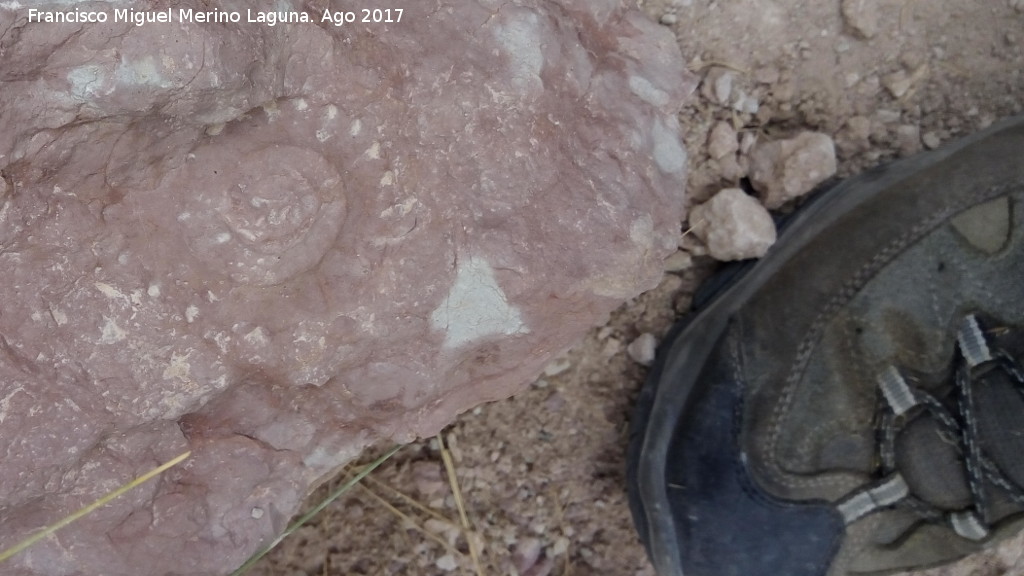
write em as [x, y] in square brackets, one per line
[275, 245]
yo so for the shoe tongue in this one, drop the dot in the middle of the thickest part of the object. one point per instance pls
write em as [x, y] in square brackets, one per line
[1000, 423]
[932, 465]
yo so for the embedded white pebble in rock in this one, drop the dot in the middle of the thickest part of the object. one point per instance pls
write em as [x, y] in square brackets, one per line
[557, 366]
[786, 169]
[733, 225]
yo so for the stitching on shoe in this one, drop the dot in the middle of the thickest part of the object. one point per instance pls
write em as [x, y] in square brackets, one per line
[806, 347]
[741, 471]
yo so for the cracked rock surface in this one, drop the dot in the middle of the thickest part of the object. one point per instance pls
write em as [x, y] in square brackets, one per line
[274, 246]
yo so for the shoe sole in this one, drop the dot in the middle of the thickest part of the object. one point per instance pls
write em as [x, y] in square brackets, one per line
[671, 385]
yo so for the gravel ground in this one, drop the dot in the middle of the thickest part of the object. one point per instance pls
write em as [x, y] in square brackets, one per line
[542, 473]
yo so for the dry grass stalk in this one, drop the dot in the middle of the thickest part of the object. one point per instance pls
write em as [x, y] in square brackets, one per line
[412, 521]
[410, 500]
[453, 480]
[28, 542]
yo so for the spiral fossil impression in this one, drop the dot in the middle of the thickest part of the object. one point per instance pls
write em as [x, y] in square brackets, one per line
[261, 216]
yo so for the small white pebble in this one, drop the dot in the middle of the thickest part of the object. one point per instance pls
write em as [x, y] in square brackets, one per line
[747, 142]
[781, 170]
[931, 140]
[257, 513]
[446, 563]
[734, 226]
[717, 85]
[887, 116]
[861, 16]
[643, 349]
[612, 346]
[668, 19]
[722, 140]
[527, 553]
[897, 83]
[746, 104]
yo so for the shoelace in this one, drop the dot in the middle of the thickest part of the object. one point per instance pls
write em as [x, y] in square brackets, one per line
[975, 360]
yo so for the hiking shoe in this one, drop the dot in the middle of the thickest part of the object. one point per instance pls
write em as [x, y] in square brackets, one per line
[852, 403]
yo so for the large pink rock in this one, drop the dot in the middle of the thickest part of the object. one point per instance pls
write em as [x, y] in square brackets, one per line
[275, 245]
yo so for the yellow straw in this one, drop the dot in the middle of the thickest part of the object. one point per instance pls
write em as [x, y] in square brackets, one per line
[6, 554]
[453, 480]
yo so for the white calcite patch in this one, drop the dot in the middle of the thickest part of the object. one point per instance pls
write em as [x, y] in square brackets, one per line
[520, 38]
[5, 403]
[257, 336]
[641, 232]
[86, 82]
[111, 333]
[58, 316]
[141, 72]
[109, 291]
[179, 367]
[475, 307]
[643, 88]
[669, 154]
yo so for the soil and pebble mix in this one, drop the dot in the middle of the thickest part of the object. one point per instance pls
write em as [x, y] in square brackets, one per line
[793, 93]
